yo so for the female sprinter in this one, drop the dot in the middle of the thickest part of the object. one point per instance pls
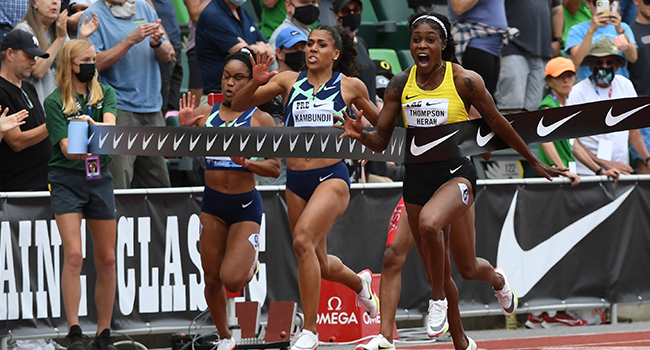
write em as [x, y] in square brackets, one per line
[78, 188]
[437, 194]
[318, 190]
[231, 211]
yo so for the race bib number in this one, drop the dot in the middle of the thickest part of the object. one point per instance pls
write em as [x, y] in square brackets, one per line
[426, 113]
[313, 113]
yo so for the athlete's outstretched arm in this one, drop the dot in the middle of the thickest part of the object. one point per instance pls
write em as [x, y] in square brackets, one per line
[360, 98]
[253, 93]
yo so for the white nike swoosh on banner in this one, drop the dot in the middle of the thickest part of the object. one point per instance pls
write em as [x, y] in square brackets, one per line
[526, 268]
[611, 120]
[392, 147]
[352, 142]
[102, 139]
[276, 144]
[240, 124]
[451, 171]
[242, 144]
[91, 137]
[209, 143]
[260, 144]
[419, 150]
[339, 142]
[117, 141]
[162, 142]
[483, 140]
[325, 177]
[145, 142]
[544, 131]
[292, 144]
[401, 147]
[308, 143]
[323, 144]
[226, 144]
[177, 143]
[246, 205]
[131, 141]
[193, 142]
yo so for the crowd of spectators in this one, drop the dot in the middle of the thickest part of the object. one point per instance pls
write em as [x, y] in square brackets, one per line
[139, 44]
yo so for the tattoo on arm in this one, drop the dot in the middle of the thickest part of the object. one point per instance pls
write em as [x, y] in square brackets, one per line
[469, 84]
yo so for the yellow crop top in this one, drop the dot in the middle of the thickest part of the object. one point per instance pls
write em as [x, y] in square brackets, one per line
[426, 109]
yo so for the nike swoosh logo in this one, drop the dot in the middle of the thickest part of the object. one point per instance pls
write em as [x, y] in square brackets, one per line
[433, 103]
[544, 131]
[276, 144]
[193, 142]
[392, 147]
[91, 137]
[352, 142]
[320, 105]
[308, 143]
[260, 143]
[116, 141]
[451, 171]
[419, 150]
[611, 120]
[226, 144]
[325, 177]
[339, 142]
[483, 140]
[323, 144]
[407, 97]
[102, 140]
[525, 268]
[177, 143]
[145, 142]
[292, 144]
[242, 144]
[130, 141]
[162, 142]
[247, 204]
[400, 148]
[325, 88]
[208, 145]
[240, 124]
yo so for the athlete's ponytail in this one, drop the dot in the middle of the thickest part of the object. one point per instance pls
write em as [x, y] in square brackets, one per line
[440, 22]
[344, 42]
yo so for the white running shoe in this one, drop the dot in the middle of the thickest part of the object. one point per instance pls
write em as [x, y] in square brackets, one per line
[367, 295]
[226, 344]
[472, 344]
[507, 297]
[306, 340]
[437, 319]
[377, 343]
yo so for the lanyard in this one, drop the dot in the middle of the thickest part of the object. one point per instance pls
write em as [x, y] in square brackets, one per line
[555, 98]
[596, 87]
[87, 105]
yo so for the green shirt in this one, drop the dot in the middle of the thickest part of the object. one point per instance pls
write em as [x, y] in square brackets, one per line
[563, 147]
[57, 124]
[272, 17]
[583, 15]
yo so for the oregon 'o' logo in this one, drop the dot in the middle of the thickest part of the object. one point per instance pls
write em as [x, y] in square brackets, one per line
[329, 304]
[385, 65]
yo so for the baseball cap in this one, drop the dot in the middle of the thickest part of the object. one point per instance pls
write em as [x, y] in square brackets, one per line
[559, 65]
[383, 68]
[603, 48]
[22, 40]
[289, 36]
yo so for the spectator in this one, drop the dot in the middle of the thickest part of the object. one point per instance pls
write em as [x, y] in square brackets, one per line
[610, 150]
[438, 6]
[301, 14]
[601, 26]
[628, 10]
[194, 8]
[11, 12]
[326, 17]
[75, 11]
[24, 151]
[224, 27]
[127, 62]
[82, 187]
[521, 79]
[9, 122]
[171, 72]
[481, 54]
[273, 13]
[575, 11]
[348, 15]
[640, 71]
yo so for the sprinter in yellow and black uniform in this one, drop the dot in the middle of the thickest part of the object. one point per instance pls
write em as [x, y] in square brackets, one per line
[436, 92]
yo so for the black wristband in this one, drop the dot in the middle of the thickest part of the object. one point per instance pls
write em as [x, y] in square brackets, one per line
[157, 45]
[600, 170]
[646, 161]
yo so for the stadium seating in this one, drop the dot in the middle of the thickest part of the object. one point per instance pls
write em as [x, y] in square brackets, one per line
[391, 10]
[387, 55]
[405, 58]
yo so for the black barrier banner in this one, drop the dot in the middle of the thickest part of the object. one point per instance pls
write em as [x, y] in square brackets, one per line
[476, 137]
[556, 243]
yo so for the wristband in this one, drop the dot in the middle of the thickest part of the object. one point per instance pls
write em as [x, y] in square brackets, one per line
[646, 161]
[157, 45]
[600, 170]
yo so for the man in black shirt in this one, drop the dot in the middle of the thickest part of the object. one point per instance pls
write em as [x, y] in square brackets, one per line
[24, 151]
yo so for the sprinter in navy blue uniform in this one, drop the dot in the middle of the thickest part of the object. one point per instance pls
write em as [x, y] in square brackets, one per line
[231, 211]
[318, 190]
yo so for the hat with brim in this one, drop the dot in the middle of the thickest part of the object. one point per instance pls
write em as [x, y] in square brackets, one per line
[603, 48]
[21, 40]
[289, 36]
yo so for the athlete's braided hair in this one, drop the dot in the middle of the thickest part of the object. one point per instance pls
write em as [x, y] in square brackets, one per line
[449, 53]
[344, 42]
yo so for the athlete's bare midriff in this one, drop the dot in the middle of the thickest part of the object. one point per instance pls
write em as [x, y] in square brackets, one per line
[229, 181]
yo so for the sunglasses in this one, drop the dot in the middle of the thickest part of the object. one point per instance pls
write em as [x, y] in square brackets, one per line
[346, 11]
[601, 63]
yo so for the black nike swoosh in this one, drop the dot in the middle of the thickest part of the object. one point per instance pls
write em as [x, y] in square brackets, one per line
[434, 103]
[316, 106]
[410, 97]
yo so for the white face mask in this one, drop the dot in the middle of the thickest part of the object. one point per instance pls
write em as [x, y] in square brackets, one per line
[238, 2]
[124, 11]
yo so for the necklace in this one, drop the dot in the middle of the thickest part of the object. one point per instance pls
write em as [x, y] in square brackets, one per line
[423, 86]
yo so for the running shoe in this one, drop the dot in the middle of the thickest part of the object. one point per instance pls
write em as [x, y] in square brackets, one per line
[472, 344]
[226, 344]
[103, 341]
[377, 343]
[437, 319]
[306, 340]
[76, 338]
[561, 319]
[507, 297]
[535, 322]
[367, 295]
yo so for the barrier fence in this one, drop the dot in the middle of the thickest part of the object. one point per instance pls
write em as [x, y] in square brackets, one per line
[561, 246]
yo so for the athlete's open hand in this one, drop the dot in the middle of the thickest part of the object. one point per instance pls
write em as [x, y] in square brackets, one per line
[261, 72]
[352, 128]
[547, 171]
[186, 115]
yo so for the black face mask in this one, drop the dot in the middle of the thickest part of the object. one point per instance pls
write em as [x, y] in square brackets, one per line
[604, 75]
[86, 72]
[307, 14]
[351, 21]
[295, 60]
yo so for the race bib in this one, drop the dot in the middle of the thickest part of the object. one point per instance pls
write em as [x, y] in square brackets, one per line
[426, 113]
[313, 113]
[221, 162]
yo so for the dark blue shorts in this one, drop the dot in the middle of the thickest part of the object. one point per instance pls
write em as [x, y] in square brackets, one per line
[70, 192]
[233, 208]
[422, 180]
[304, 182]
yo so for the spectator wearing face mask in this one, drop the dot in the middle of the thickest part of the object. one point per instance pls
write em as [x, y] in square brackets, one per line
[290, 50]
[301, 14]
